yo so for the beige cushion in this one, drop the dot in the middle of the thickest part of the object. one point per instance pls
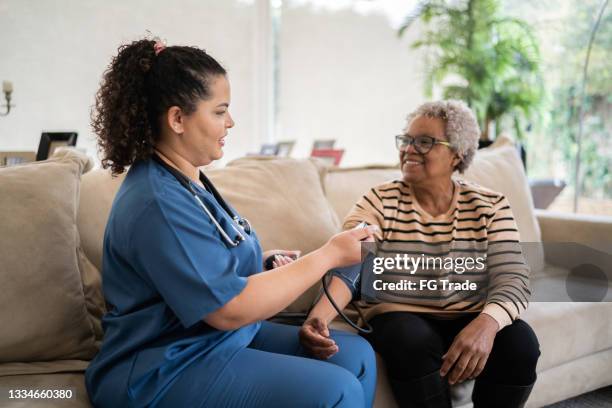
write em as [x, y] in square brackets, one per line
[344, 186]
[282, 198]
[50, 300]
[98, 190]
[500, 169]
[567, 331]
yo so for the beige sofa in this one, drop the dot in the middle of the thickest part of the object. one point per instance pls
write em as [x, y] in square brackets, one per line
[51, 301]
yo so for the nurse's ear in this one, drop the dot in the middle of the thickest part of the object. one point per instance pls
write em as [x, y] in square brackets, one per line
[176, 120]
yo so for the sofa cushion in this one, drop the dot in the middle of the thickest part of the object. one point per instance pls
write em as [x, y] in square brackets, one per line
[98, 190]
[282, 198]
[344, 186]
[500, 169]
[569, 330]
[50, 298]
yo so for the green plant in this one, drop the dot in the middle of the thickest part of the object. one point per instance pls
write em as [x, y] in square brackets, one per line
[566, 35]
[489, 60]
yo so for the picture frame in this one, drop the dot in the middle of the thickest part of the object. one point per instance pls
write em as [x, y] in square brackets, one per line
[49, 141]
[331, 157]
[269, 149]
[285, 148]
[323, 144]
[14, 158]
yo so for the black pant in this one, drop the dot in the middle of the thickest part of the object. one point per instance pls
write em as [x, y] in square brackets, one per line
[412, 346]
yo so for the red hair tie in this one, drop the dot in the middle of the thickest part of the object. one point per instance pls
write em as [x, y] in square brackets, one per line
[159, 45]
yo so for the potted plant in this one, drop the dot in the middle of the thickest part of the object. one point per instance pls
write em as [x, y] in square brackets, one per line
[488, 60]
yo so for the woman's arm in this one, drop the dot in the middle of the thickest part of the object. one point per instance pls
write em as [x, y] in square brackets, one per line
[267, 293]
[323, 309]
[508, 290]
[314, 334]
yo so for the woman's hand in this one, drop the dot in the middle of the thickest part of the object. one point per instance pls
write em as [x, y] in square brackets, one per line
[470, 350]
[281, 257]
[345, 247]
[314, 337]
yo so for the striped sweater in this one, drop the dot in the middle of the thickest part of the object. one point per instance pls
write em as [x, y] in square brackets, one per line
[479, 222]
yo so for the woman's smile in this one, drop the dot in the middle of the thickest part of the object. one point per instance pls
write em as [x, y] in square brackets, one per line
[410, 163]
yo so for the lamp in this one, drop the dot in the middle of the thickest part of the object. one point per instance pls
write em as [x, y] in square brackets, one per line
[7, 89]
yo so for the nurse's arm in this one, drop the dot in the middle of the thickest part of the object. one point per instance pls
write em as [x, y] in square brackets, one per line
[267, 293]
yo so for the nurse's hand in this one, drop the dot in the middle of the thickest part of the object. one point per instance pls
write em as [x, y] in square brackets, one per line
[345, 247]
[314, 337]
[281, 257]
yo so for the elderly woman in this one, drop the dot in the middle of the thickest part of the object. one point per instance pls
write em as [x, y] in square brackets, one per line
[429, 342]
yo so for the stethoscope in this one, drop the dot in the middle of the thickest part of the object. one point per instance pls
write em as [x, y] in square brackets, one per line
[238, 223]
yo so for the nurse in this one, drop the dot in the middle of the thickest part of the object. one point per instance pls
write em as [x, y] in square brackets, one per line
[187, 298]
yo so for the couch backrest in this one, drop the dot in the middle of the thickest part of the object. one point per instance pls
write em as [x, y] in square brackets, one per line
[298, 204]
[344, 186]
[98, 189]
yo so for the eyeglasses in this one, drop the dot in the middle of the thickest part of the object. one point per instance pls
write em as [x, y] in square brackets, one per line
[422, 144]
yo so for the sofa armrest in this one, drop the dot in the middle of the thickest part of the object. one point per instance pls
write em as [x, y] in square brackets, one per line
[562, 231]
[592, 230]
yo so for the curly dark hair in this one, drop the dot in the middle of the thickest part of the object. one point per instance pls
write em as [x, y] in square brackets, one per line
[139, 87]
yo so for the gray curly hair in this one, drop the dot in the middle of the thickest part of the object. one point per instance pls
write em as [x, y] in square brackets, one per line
[462, 128]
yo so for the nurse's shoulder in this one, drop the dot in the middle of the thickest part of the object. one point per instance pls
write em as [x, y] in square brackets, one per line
[145, 182]
[146, 192]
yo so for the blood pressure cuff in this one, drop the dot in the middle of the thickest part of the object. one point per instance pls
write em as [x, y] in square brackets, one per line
[351, 275]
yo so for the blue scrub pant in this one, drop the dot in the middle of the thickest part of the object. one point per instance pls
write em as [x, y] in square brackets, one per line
[274, 371]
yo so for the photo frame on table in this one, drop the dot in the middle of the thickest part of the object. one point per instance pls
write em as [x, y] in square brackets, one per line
[14, 158]
[331, 157]
[269, 149]
[285, 148]
[323, 144]
[49, 141]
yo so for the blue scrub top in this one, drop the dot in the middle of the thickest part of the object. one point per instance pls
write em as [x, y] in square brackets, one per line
[165, 267]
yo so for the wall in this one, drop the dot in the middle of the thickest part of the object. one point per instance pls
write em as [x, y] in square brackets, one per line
[343, 74]
[55, 51]
[346, 75]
